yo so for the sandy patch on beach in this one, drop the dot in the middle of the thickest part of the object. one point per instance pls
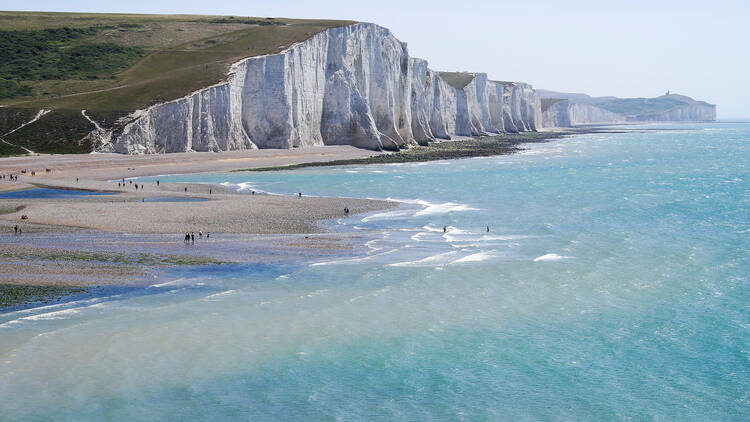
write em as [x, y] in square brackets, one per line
[106, 166]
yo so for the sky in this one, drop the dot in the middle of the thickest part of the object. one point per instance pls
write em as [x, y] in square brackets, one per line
[631, 48]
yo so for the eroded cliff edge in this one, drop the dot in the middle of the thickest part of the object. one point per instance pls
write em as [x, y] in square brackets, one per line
[354, 85]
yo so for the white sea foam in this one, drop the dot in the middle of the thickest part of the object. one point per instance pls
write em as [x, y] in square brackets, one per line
[353, 260]
[477, 257]
[444, 208]
[430, 208]
[551, 257]
[245, 187]
[63, 314]
[439, 259]
[418, 237]
[388, 214]
[169, 283]
[218, 295]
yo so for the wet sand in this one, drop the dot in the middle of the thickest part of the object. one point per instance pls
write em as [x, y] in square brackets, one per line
[221, 211]
[106, 166]
[262, 228]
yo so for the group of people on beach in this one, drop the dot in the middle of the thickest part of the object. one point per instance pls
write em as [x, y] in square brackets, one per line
[18, 230]
[190, 236]
[11, 177]
[123, 184]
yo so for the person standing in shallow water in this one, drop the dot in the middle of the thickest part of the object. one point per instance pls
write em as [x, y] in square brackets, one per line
[445, 229]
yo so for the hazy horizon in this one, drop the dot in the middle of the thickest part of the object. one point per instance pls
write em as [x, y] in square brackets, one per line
[640, 49]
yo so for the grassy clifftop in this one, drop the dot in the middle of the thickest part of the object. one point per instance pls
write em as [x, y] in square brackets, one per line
[646, 106]
[137, 60]
[113, 64]
[625, 106]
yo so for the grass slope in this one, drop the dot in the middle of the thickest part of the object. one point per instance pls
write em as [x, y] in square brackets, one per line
[57, 54]
[113, 64]
[627, 106]
[646, 106]
[183, 53]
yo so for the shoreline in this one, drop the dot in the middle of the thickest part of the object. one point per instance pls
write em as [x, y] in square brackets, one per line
[277, 226]
[471, 147]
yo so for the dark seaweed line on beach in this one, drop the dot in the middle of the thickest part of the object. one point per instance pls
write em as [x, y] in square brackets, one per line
[447, 150]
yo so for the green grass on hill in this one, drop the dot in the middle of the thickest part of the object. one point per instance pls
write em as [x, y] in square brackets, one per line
[45, 135]
[57, 54]
[113, 64]
[645, 106]
[183, 53]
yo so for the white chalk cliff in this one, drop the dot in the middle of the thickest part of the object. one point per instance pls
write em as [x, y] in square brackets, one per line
[354, 85]
[565, 114]
[566, 109]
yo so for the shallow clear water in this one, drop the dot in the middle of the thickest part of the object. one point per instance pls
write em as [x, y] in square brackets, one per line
[39, 193]
[613, 284]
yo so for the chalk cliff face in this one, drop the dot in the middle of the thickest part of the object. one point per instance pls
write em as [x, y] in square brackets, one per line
[352, 85]
[566, 114]
[568, 109]
[692, 112]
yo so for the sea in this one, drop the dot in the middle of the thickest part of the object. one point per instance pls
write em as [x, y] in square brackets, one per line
[596, 277]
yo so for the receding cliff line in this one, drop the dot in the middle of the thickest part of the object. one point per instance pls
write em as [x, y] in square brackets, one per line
[565, 109]
[354, 85]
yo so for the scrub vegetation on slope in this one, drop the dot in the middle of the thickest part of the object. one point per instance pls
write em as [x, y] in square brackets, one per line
[113, 64]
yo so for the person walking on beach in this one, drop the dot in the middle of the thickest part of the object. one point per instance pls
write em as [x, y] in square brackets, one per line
[445, 229]
[209, 191]
[300, 195]
[16, 229]
[185, 189]
[488, 229]
[200, 234]
[157, 183]
[76, 180]
[192, 237]
[208, 235]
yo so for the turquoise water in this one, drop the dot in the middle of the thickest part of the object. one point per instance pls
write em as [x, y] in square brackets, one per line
[613, 285]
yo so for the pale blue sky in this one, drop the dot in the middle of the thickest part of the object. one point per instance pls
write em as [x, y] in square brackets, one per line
[623, 48]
